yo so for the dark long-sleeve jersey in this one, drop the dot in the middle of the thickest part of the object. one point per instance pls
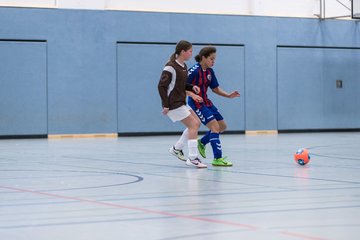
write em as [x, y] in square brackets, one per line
[173, 85]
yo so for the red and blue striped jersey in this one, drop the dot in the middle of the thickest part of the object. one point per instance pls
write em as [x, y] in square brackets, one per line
[203, 79]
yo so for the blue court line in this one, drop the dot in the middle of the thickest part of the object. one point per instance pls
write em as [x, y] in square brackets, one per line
[83, 222]
[177, 196]
[137, 178]
[284, 176]
[335, 157]
[202, 234]
[318, 226]
[279, 211]
[222, 169]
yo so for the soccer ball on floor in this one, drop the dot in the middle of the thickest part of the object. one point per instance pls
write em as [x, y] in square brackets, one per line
[302, 156]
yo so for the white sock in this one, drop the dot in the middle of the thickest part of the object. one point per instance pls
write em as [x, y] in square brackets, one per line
[193, 152]
[183, 139]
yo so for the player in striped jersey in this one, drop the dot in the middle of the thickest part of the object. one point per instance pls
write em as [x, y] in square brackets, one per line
[203, 76]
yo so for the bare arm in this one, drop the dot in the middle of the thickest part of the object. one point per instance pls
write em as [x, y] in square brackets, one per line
[223, 93]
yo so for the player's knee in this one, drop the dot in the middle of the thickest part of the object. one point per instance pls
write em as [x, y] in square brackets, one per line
[222, 126]
[215, 127]
[197, 123]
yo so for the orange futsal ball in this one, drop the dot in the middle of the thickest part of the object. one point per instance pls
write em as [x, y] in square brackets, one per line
[302, 156]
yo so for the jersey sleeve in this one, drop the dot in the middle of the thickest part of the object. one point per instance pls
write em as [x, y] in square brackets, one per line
[214, 82]
[189, 87]
[163, 86]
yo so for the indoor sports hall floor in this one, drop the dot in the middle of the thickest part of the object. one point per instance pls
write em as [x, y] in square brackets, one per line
[131, 188]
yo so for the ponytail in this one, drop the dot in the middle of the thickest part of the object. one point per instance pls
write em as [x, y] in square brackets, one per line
[197, 58]
[180, 46]
[173, 57]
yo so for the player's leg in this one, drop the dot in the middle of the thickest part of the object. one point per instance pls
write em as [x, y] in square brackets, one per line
[176, 150]
[215, 138]
[222, 125]
[175, 115]
[217, 126]
[184, 115]
[205, 116]
[193, 124]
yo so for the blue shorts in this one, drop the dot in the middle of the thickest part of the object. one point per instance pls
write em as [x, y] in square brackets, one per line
[206, 114]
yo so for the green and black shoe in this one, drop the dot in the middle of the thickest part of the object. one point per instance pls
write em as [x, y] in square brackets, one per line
[221, 162]
[201, 148]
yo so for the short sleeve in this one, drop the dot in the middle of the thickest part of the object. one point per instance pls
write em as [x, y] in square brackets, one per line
[214, 83]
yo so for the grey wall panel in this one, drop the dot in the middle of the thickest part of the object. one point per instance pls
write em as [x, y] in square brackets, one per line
[307, 93]
[23, 88]
[139, 69]
[139, 106]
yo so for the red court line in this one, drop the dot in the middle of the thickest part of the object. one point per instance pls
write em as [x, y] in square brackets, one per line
[194, 218]
[250, 227]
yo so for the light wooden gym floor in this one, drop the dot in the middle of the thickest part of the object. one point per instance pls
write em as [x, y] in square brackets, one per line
[132, 188]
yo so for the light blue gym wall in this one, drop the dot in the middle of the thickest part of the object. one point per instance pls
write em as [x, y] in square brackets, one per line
[309, 99]
[95, 71]
[137, 86]
[23, 95]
